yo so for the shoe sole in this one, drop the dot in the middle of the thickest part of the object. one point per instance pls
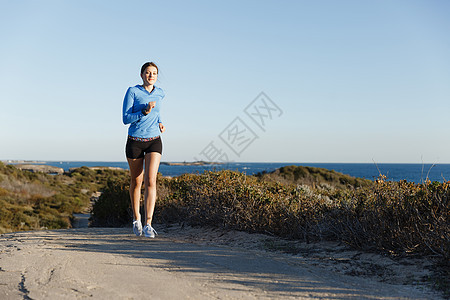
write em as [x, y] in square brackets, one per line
[150, 235]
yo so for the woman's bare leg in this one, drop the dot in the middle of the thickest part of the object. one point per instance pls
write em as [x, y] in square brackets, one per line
[152, 161]
[137, 175]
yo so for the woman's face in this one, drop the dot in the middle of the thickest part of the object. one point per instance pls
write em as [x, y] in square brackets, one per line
[150, 75]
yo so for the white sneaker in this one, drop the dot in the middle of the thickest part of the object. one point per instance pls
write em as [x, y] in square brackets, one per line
[149, 231]
[137, 228]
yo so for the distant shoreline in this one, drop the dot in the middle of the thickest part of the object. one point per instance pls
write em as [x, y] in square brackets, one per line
[44, 167]
[185, 163]
[11, 161]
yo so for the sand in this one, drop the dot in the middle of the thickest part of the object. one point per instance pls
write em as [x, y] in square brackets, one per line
[197, 263]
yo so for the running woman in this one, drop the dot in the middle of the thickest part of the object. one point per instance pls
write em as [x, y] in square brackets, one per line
[141, 108]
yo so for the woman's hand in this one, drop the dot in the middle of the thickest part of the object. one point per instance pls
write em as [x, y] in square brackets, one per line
[162, 128]
[151, 105]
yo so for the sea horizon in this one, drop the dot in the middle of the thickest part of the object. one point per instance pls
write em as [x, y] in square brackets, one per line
[415, 172]
[41, 161]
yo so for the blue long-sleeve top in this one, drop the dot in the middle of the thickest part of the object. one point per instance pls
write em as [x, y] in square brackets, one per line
[136, 99]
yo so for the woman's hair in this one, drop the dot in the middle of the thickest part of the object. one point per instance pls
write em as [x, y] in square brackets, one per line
[148, 64]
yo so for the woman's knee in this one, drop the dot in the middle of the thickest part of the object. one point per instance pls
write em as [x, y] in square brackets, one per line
[150, 182]
[136, 182]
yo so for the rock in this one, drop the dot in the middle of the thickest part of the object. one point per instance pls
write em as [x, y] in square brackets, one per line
[106, 168]
[40, 168]
[194, 163]
[96, 168]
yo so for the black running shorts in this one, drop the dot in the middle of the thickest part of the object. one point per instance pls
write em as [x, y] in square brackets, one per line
[137, 149]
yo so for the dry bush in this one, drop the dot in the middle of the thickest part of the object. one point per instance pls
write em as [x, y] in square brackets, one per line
[26, 188]
[395, 217]
[234, 200]
[400, 218]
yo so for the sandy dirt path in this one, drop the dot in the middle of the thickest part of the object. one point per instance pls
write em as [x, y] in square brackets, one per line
[111, 263]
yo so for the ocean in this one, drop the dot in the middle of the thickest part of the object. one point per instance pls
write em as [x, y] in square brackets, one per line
[410, 172]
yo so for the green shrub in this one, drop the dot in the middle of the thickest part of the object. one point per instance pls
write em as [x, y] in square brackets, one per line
[317, 177]
[113, 208]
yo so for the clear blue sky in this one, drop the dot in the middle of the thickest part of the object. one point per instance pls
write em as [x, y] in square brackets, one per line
[356, 81]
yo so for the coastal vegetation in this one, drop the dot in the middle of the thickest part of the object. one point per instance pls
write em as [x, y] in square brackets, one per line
[311, 176]
[35, 200]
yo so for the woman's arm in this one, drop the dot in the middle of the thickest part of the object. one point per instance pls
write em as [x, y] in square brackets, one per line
[128, 116]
